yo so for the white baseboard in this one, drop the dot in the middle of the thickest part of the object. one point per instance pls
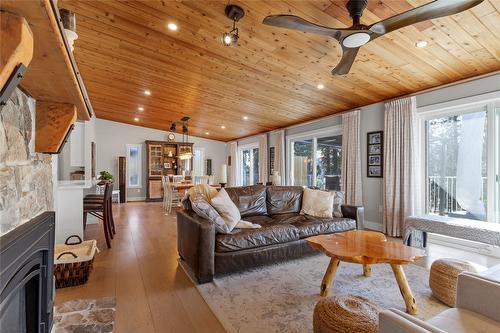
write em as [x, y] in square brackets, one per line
[130, 199]
[372, 225]
[464, 244]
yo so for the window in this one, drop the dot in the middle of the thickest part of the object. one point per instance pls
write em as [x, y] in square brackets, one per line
[134, 164]
[249, 164]
[316, 159]
[198, 158]
[461, 160]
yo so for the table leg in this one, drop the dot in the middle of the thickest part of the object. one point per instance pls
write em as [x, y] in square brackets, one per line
[404, 287]
[326, 284]
[367, 270]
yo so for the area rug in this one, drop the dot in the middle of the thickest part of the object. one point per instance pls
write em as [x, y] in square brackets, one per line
[281, 297]
[85, 316]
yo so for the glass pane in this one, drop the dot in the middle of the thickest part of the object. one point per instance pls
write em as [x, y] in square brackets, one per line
[133, 169]
[329, 162]
[457, 165]
[245, 158]
[255, 165]
[303, 162]
[497, 165]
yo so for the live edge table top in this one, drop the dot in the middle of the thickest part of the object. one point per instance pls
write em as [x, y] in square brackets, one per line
[365, 247]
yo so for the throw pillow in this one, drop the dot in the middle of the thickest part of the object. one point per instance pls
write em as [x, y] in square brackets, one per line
[205, 210]
[317, 203]
[338, 201]
[226, 208]
[205, 190]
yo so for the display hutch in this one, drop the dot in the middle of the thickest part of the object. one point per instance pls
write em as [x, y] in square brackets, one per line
[162, 159]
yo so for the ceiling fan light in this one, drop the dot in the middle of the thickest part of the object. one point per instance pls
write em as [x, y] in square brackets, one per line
[356, 40]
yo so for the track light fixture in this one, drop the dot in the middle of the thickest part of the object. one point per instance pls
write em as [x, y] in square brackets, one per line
[172, 127]
[234, 13]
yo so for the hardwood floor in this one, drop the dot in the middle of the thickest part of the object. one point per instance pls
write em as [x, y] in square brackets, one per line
[153, 294]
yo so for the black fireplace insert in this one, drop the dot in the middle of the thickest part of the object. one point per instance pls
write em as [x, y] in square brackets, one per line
[26, 276]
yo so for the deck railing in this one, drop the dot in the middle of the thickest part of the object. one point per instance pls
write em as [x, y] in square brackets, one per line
[442, 194]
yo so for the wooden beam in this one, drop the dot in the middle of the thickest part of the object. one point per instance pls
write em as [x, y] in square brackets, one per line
[17, 44]
[53, 74]
[54, 122]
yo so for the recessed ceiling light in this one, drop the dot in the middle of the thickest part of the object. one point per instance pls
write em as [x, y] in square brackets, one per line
[223, 127]
[172, 26]
[320, 86]
[245, 117]
[136, 119]
[140, 108]
[207, 133]
[147, 92]
[421, 43]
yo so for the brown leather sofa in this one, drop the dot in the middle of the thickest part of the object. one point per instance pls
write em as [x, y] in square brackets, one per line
[276, 208]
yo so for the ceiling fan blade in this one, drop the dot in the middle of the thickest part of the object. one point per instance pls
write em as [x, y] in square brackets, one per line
[435, 9]
[348, 57]
[296, 23]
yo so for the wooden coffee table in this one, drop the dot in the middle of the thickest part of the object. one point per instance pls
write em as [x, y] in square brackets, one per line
[367, 248]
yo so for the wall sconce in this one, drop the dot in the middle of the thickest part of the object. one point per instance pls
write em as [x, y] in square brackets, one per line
[234, 13]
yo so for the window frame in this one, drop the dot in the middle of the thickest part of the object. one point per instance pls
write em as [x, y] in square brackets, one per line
[139, 164]
[309, 135]
[251, 147]
[460, 106]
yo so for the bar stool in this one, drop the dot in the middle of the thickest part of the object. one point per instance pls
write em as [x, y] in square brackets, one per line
[100, 207]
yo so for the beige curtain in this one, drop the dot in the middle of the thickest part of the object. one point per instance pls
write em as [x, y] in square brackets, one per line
[400, 164]
[263, 159]
[279, 154]
[233, 168]
[351, 158]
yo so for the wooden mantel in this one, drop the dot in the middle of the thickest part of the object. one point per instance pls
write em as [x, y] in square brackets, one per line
[52, 77]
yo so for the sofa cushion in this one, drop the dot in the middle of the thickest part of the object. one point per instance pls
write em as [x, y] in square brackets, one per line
[269, 234]
[312, 226]
[283, 199]
[317, 203]
[458, 320]
[250, 200]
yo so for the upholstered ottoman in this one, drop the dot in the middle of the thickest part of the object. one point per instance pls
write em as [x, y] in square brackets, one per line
[444, 276]
[341, 314]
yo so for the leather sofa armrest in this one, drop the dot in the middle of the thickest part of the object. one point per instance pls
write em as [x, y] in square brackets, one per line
[196, 244]
[354, 212]
[395, 321]
[479, 294]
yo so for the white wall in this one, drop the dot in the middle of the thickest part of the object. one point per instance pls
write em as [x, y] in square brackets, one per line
[372, 119]
[112, 137]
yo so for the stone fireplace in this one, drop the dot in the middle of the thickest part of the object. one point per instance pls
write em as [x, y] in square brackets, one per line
[26, 222]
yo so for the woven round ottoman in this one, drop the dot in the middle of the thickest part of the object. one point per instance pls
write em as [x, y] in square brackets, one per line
[341, 314]
[444, 276]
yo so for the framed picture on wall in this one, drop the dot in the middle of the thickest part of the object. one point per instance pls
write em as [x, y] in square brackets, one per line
[375, 154]
[271, 160]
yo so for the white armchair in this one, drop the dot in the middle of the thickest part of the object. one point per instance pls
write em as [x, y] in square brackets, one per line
[477, 309]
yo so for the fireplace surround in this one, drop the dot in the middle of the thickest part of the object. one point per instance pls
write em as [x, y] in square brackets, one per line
[26, 276]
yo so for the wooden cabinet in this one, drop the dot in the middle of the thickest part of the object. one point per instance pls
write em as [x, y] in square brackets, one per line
[162, 160]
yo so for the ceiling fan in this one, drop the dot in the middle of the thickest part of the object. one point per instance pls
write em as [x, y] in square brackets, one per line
[352, 38]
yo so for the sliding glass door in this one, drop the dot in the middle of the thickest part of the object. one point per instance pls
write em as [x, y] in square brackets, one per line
[462, 167]
[249, 165]
[497, 163]
[316, 159]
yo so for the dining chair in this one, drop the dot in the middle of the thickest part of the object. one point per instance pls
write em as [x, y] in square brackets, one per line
[100, 206]
[173, 196]
[177, 178]
[166, 194]
[201, 180]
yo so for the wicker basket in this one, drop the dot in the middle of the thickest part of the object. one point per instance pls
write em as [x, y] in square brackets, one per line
[73, 262]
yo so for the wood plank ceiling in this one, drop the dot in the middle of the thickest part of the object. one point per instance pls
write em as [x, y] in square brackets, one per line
[271, 77]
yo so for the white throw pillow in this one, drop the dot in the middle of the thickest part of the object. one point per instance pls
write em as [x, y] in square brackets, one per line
[226, 209]
[317, 203]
